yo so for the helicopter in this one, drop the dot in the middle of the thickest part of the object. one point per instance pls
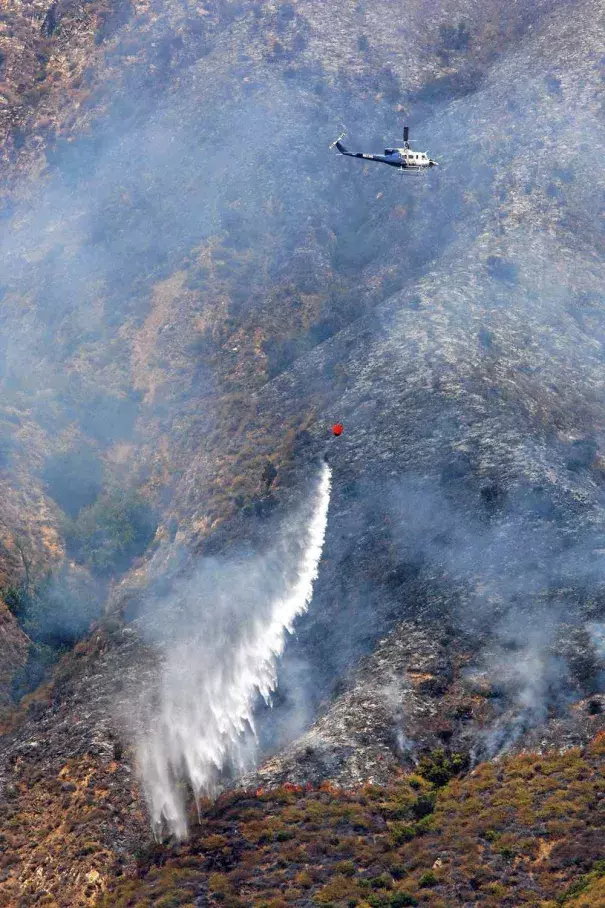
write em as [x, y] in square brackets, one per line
[405, 159]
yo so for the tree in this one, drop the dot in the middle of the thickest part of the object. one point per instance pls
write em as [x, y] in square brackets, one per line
[109, 534]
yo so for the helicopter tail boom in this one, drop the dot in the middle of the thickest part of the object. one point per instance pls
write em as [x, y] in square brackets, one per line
[340, 147]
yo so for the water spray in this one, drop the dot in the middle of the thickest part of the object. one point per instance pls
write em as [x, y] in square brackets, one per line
[234, 629]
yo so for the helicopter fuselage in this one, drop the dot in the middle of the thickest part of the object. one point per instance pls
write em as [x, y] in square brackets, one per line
[403, 158]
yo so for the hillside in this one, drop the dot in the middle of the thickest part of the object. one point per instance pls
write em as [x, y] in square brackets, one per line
[526, 830]
[509, 834]
[192, 289]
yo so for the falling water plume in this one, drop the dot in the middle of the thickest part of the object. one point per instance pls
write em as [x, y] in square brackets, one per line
[222, 636]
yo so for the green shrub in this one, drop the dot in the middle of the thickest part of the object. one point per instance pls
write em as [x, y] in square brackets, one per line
[497, 889]
[507, 852]
[402, 899]
[17, 601]
[439, 768]
[401, 833]
[423, 805]
[383, 881]
[397, 870]
[345, 867]
[427, 879]
[109, 534]
[282, 835]
[378, 900]
[426, 824]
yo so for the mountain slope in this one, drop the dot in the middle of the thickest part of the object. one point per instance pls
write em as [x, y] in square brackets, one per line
[193, 290]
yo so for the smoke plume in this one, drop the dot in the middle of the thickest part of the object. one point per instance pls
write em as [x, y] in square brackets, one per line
[224, 632]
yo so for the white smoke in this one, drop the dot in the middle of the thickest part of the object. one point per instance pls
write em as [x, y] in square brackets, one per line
[222, 636]
[596, 630]
[532, 676]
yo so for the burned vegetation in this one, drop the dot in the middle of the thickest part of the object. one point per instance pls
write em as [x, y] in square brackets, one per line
[525, 831]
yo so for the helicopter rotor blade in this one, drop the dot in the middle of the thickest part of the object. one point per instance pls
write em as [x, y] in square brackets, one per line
[341, 136]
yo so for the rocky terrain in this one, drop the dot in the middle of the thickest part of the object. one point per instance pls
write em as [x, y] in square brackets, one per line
[192, 289]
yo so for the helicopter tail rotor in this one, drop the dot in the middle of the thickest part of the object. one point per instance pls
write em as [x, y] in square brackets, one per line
[341, 136]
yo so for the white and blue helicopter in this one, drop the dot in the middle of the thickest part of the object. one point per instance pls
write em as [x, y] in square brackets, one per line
[405, 159]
